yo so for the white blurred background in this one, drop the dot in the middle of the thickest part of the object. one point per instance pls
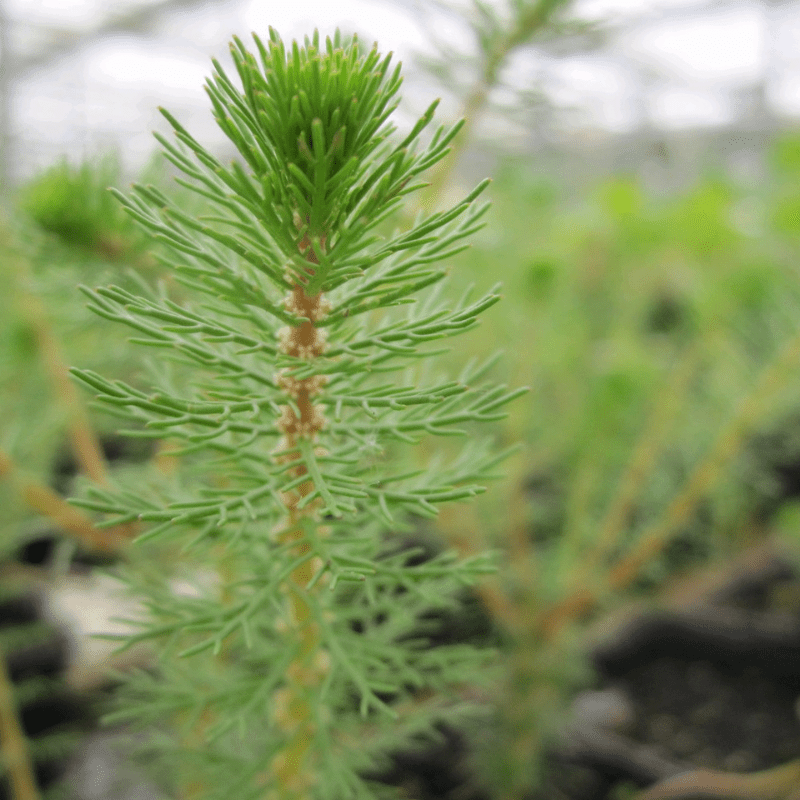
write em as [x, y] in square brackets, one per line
[79, 77]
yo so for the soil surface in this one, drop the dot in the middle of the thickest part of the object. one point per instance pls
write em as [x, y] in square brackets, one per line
[707, 687]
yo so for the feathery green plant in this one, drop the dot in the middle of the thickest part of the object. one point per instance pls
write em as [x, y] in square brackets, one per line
[301, 652]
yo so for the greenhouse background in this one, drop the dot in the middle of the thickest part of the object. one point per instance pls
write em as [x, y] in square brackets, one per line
[645, 228]
[650, 84]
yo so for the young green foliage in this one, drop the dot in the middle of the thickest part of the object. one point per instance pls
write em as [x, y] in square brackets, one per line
[288, 398]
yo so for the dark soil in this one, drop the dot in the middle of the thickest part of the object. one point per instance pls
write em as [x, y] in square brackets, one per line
[713, 684]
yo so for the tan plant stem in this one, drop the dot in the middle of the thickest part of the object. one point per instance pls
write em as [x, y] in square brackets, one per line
[85, 446]
[653, 539]
[43, 500]
[15, 754]
[301, 419]
[524, 28]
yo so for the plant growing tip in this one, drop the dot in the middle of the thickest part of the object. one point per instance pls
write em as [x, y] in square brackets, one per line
[291, 406]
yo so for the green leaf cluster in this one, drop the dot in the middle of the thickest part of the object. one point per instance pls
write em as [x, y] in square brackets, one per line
[70, 201]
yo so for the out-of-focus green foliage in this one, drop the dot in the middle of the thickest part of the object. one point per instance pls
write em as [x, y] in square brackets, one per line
[611, 289]
[65, 231]
[71, 201]
[785, 162]
[608, 293]
[644, 325]
[660, 336]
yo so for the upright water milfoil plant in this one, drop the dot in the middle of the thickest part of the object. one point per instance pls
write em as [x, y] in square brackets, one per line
[291, 622]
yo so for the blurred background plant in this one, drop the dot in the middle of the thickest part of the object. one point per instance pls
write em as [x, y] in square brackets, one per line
[651, 301]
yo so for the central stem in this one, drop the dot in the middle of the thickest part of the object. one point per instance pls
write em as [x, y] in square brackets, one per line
[301, 418]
